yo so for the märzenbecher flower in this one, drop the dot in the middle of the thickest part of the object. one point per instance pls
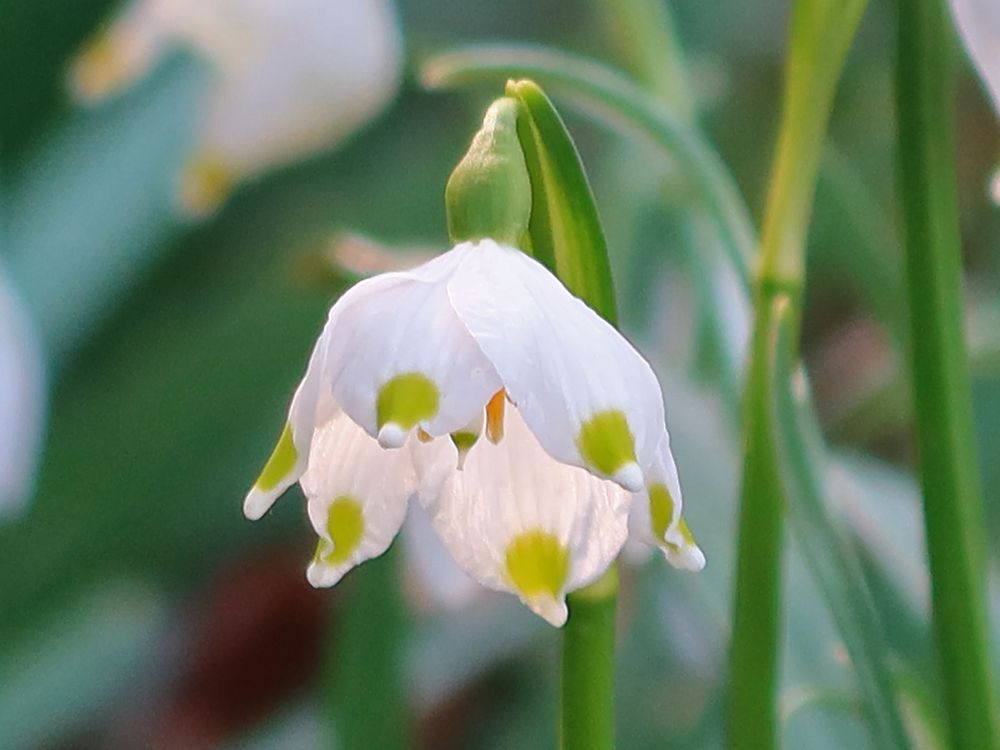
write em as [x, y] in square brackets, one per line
[528, 428]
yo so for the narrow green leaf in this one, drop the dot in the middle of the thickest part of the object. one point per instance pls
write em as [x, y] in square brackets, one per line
[751, 716]
[831, 560]
[565, 230]
[953, 500]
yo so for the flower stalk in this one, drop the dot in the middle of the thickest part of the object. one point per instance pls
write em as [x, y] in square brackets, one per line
[939, 372]
[821, 33]
[586, 719]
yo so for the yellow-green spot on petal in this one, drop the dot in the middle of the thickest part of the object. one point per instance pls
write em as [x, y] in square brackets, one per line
[606, 442]
[406, 400]
[661, 509]
[686, 535]
[281, 462]
[345, 524]
[537, 564]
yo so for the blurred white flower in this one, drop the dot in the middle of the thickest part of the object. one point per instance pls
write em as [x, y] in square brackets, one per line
[291, 77]
[415, 367]
[22, 392]
[978, 23]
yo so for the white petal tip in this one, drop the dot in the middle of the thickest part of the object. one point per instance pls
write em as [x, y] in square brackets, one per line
[391, 436]
[323, 576]
[549, 608]
[995, 188]
[630, 477]
[688, 557]
[257, 503]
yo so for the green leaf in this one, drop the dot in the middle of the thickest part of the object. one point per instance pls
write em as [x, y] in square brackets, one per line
[953, 498]
[565, 230]
[831, 560]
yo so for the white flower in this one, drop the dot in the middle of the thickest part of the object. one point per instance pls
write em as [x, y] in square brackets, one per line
[290, 77]
[21, 401]
[525, 424]
[978, 24]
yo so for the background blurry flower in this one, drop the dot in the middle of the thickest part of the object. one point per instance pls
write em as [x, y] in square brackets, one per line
[21, 400]
[978, 23]
[290, 78]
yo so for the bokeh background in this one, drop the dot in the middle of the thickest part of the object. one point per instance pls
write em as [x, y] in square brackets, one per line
[138, 608]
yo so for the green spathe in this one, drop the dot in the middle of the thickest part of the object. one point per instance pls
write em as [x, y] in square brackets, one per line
[489, 193]
[406, 400]
[280, 463]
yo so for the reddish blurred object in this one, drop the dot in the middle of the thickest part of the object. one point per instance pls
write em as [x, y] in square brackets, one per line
[247, 644]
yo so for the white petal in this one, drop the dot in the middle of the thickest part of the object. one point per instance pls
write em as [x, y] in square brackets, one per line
[312, 405]
[121, 53]
[291, 79]
[978, 23]
[22, 401]
[401, 325]
[357, 495]
[561, 363]
[512, 492]
[655, 517]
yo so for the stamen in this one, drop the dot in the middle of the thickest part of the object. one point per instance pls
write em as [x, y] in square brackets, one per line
[423, 436]
[494, 416]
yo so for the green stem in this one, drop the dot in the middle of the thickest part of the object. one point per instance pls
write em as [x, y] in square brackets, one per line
[939, 372]
[587, 721]
[753, 658]
[821, 33]
[366, 698]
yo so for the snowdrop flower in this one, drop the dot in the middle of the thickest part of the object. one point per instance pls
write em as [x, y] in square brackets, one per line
[291, 77]
[21, 401]
[978, 23]
[528, 428]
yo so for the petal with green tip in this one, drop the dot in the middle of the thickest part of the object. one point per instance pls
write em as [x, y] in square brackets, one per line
[517, 520]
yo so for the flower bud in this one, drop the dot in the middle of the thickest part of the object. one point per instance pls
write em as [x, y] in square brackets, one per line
[488, 196]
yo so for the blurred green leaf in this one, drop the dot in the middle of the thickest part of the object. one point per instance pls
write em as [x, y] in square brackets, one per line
[93, 208]
[78, 663]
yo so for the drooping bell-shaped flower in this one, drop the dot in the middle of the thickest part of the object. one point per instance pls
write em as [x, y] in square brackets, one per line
[527, 427]
[21, 400]
[288, 78]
